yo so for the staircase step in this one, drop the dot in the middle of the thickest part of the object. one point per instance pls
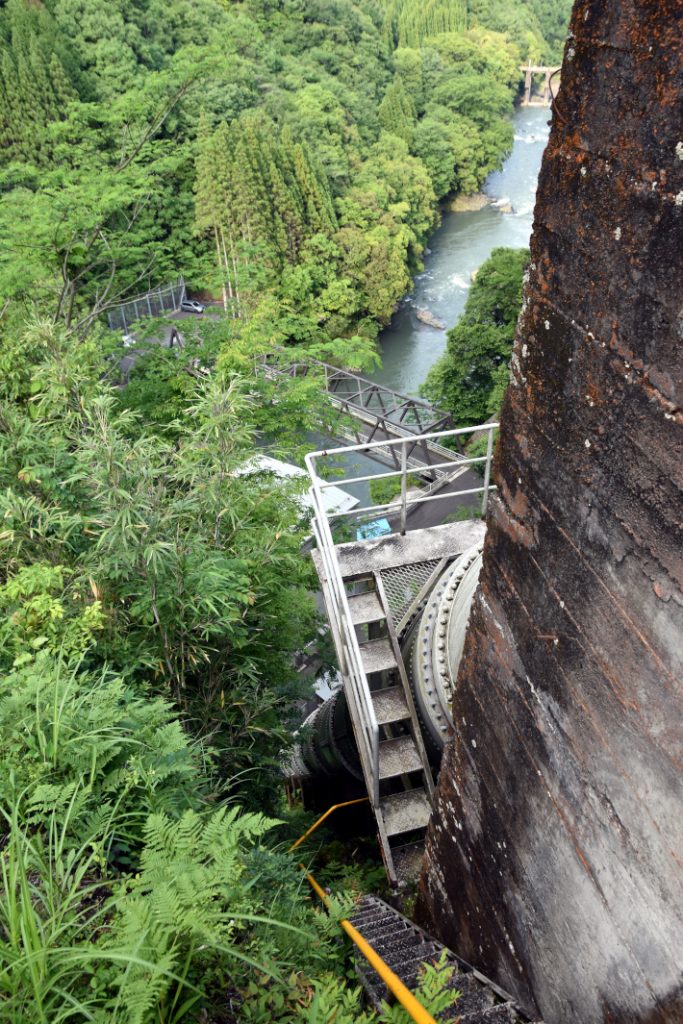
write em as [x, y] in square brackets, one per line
[396, 933]
[365, 608]
[474, 996]
[408, 861]
[367, 917]
[504, 1013]
[407, 962]
[398, 757]
[403, 812]
[390, 705]
[377, 655]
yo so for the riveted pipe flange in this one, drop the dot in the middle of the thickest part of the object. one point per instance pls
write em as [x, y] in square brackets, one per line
[434, 646]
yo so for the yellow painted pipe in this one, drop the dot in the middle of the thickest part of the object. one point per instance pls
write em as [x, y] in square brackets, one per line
[391, 980]
[348, 803]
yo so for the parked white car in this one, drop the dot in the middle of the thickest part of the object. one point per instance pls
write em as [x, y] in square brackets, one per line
[191, 306]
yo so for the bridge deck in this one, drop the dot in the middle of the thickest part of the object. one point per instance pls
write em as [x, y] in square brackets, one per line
[369, 411]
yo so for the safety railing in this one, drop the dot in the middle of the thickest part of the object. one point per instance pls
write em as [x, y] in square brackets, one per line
[401, 992]
[356, 686]
[348, 652]
[453, 462]
[155, 302]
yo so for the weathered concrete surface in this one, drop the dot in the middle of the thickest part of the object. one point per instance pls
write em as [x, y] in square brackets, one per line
[555, 854]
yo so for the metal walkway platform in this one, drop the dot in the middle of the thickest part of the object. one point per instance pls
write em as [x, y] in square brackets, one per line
[360, 557]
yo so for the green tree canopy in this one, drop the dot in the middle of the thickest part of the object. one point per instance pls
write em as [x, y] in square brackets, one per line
[471, 377]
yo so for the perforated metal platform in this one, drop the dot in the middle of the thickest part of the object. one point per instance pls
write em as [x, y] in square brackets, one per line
[404, 583]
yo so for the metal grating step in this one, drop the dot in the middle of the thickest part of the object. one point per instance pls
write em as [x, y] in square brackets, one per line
[404, 946]
[390, 705]
[398, 757]
[404, 812]
[411, 958]
[365, 608]
[474, 997]
[408, 861]
[377, 656]
[382, 933]
[504, 1013]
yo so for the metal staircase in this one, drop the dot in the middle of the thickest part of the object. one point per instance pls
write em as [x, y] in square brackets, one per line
[404, 774]
[405, 947]
[365, 621]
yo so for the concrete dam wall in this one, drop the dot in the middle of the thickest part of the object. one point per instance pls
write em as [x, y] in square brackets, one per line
[555, 851]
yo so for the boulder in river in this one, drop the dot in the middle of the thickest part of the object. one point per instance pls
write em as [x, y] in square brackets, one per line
[428, 318]
[468, 204]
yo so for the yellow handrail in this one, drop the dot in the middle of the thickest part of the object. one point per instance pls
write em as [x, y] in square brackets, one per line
[328, 812]
[391, 980]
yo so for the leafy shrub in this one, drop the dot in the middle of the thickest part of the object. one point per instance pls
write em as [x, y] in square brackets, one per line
[43, 610]
[160, 559]
[78, 946]
[432, 991]
[98, 778]
[382, 492]
[86, 743]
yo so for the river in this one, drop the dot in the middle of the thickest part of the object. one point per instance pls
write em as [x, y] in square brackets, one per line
[458, 247]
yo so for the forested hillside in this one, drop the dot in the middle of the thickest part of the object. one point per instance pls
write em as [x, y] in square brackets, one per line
[265, 150]
[288, 159]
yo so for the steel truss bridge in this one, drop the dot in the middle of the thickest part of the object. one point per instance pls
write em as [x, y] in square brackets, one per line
[371, 413]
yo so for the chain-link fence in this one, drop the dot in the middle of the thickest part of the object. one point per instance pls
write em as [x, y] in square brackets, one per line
[166, 299]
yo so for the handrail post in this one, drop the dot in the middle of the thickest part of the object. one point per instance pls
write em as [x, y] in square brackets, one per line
[404, 485]
[487, 472]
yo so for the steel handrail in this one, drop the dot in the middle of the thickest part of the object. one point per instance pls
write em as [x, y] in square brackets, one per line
[454, 432]
[323, 817]
[355, 672]
[419, 499]
[399, 472]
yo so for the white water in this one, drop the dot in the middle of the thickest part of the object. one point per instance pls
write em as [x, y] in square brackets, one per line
[458, 248]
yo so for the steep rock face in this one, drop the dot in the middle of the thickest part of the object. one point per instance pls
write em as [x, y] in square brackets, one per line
[555, 853]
